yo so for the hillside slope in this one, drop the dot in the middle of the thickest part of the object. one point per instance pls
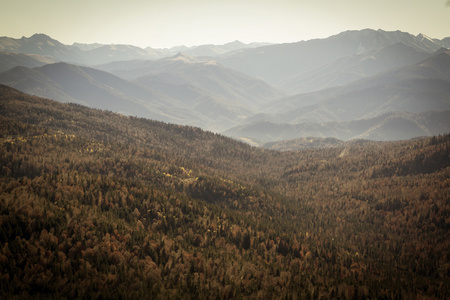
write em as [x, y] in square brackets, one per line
[94, 204]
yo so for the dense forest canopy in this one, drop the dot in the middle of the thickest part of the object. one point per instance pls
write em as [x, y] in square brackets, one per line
[94, 204]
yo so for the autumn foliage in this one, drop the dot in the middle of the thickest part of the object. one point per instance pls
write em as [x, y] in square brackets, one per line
[98, 205]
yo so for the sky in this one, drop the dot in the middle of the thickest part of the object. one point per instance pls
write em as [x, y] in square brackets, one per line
[168, 23]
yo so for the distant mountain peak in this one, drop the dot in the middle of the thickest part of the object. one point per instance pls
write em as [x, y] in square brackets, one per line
[426, 40]
[442, 50]
[40, 37]
[236, 42]
[180, 56]
[423, 36]
[87, 47]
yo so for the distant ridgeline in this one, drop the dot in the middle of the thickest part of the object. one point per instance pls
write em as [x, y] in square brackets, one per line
[94, 204]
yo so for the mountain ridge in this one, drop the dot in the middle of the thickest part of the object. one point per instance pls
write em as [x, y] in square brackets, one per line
[303, 56]
[351, 68]
[388, 127]
[216, 102]
[94, 54]
[406, 86]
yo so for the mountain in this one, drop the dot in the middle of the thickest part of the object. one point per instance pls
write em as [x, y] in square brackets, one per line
[389, 126]
[216, 80]
[34, 82]
[95, 54]
[207, 75]
[271, 63]
[415, 88]
[216, 101]
[279, 62]
[98, 205]
[209, 50]
[387, 106]
[411, 95]
[214, 113]
[43, 45]
[446, 42]
[86, 54]
[108, 53]
[133, 69]
[350, 76]
[87, 86]
[9, 60]
[304, 143]
[352, 68]
[216, 50]
[87, 47]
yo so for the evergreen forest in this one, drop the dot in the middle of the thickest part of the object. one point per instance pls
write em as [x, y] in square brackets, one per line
[97, 205]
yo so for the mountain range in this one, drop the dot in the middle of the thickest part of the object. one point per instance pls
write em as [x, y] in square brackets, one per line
[206, 75]
[405, 91]
[279, 62]
[351, 68]
[92, 54]
[417, 87]
[370, 84]
[187, 91]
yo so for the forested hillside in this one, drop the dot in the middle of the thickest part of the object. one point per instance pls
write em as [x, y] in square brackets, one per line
[94, 204]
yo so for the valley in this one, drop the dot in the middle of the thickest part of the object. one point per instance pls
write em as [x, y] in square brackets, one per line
[311, 170]
[96, 203]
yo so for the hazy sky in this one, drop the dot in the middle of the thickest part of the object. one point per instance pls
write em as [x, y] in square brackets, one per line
[167, 23]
